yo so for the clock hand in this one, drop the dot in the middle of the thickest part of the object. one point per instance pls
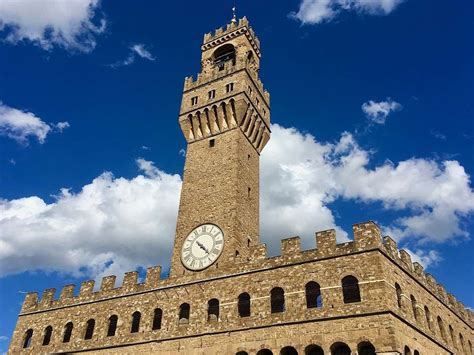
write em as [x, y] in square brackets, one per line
[202, 247]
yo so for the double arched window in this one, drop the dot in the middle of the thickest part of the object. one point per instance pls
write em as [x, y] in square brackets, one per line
[313, 295]
[67, 332]
[48, 332]
[441, 328]
[277, 300]
[350, 289]
[184, 313]
[213, 310]
[27, 339]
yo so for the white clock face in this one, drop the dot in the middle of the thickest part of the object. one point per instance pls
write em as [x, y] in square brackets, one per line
[202, 247]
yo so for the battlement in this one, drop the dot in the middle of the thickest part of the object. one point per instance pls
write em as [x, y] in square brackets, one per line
[367, 237]
[242, 26]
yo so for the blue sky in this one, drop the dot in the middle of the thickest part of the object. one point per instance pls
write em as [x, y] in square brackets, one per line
[372, 117]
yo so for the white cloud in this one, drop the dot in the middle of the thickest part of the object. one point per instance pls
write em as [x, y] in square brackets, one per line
[320, 11]
[135, 50]
[425, 258]
[142, 51]
[3, 338]
[71, 24]
[114, 224]
[377, 112]
[20, 125]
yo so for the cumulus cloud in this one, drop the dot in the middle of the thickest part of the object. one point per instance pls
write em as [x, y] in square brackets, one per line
[320, 11]
[115, 224]
[425, 258]
[135, 50]
[377, 112]
[71, 24]
[21, 125]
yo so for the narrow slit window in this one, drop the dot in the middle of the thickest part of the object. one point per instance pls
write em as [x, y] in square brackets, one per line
[194, 100]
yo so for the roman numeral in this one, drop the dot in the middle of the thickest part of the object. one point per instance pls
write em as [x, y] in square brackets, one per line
[203, 229]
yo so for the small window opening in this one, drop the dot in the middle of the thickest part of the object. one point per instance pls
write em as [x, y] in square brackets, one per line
[47, 335]
[67, 332]
[184, 310]
[89, 329]
[398, 290]
[313, 295]
[237, 253]
[194, 100]
[243, 305]
[248, 242]
[158, 315]
[248, 157]
[277, 300]
[229, 87]
[136, 316]
[212, 142]
[213, 310]
[248, 192]
[350, 289]
[28, 337]
[212, 94]
[258, 103]
[112, 326]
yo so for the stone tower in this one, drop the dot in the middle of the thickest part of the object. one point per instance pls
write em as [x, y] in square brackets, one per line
[225, 118]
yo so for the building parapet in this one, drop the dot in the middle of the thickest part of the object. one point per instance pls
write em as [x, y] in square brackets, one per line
[367, 237]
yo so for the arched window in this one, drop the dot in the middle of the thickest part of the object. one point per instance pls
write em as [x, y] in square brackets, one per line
[313, 350]
[461, 341]
[413, 306]
[416, 352]
[184, 313]
[313, 295]
[157, 316]
[47, 335]
[241, 353]
[27, 339]
[277, 300]
[350, 289]
[89, 329]
[288, 350]
[243, 305]
[428, 317]
[136, 316]
[340, 349]
[470, 346]
[112, 326]
[406, 351]
[451, 333]
[67, 332]
[365, 348]
[264, 352]
[441, 328]
[223, 54]
[398, 290]
[213, 310]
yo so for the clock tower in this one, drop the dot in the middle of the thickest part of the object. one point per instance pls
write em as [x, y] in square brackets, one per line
[225, 119]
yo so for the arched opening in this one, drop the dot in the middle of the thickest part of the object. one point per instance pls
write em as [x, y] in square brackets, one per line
[416, 352]
[241, 353]
[213, 310]
[264, 352]
[407, 351]
[157, 316]
[313, 295]
[428, 317]
[313, 350]
[277, 300]
[184, 313]
[243, 305]
[413, 306]
[67, 332]
[350, 289]
[441, 328]
[470, 346]
[89, 329]
[365, 348]
[224, 54]
[136, 316]
[340, 349]
[27, 339]
[288, 350]
[451, 333]
[398, 291]
[461, 342]
[112, 328]
[48, 332]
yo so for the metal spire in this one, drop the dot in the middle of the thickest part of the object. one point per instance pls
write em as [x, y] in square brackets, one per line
[234, 18]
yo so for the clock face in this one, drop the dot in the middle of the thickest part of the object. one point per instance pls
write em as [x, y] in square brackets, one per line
[202, 247]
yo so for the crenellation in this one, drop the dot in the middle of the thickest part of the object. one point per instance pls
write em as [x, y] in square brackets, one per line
[391, 247]
[406, 259]
[367, 235]
[419, 271]
[153, 276]
[291, 247]
[326, 242]
[30, 302]
[442, 293]
[130, 282]
[258, 252]
[87, 289]
[47, 298]
[430, 280]
[108, 283]
[67, 292]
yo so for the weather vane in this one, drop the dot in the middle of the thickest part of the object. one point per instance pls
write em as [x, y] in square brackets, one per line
[234, 19]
